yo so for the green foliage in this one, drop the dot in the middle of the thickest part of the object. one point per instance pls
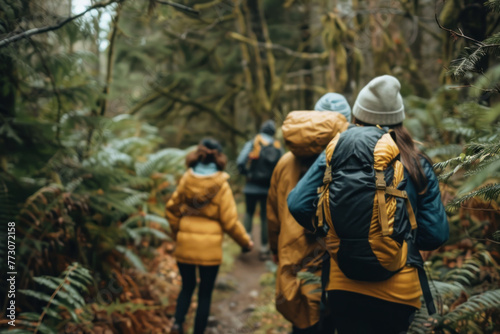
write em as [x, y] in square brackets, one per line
[61, 296]
[467, 297]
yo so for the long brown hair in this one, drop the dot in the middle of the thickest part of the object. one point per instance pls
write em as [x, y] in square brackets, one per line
[410, 155]
[208, 150]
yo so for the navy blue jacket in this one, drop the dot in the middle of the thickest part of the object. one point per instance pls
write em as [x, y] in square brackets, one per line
[433, 228]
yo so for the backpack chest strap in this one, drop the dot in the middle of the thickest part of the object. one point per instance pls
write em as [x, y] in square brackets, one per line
[382, 190]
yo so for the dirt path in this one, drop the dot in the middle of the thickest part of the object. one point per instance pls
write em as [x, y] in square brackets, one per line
[237, 291]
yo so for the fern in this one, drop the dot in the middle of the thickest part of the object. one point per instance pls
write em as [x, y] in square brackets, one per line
[467, 63]
[162, 161]
[132, 258]
[65, 296]
[489, 193]
[486, 83]
[454, 289]
[474, 307]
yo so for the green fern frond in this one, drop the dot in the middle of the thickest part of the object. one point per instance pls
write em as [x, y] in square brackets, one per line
[67, 292]
[442, 165]
[467, 63]
[489, 192]
[470, 271]
[493, 5]
[133, 146]
[474, 306]
[136, 199]
[480, 174]
[308, 277]
[456, 127]
[484, 148]
[164, 161]
[157, 219]
[449, 291]
[487, 82]
[132, 258]
[141, 231]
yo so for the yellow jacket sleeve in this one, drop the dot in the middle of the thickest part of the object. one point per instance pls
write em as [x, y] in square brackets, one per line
[229, 217]
[173, 211]
[273, 222]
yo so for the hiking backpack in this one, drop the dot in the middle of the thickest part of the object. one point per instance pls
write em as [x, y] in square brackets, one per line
[263, 159]
[364, 205]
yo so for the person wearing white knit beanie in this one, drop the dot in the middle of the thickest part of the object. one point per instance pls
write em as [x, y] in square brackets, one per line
[373, 305]
[380, 102]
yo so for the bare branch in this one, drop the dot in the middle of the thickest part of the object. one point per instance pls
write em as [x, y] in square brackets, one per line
[255, 43]
[54, 89]
[462, 35]
[202, 107]
[36, 31]
[180, 7]
[110, 66]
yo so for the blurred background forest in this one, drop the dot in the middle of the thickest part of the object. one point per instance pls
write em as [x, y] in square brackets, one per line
[97, 112]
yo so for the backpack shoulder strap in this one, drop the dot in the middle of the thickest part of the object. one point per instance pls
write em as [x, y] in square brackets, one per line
[258, 142]
[323, 206]
[382, 212]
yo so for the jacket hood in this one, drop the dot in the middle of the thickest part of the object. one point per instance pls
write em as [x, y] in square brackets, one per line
[199, 190]
[307, 133]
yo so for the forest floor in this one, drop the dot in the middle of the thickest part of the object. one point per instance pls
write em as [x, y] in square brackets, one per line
[243, 298]
[238, 290]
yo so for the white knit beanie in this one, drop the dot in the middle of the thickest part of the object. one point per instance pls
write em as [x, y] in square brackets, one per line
[379, 102]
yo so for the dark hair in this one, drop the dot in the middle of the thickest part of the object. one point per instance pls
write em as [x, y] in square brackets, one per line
[208, 150]
[410, 154]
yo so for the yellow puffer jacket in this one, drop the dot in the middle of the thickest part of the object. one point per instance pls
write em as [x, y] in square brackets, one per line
[306, 133]
[199, 212]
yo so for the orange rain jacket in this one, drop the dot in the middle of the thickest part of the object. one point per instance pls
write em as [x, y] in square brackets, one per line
[199, 212]
[306, 133]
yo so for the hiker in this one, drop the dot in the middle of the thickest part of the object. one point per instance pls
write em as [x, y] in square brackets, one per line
[295, 249]
[257, 160]
[379, 204]
[199, 212]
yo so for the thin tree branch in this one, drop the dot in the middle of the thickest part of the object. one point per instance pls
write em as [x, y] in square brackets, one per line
[318, 89]
[202, 107]
[429, 31]
[54, 89]
[255, 43]
[180, 7]
[151, 98]
[36, 31]
[461, 35]
[147, 100]
[111, 52]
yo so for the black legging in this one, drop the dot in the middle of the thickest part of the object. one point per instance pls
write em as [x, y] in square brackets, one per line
[251, 201]
[355, 313]
[208, 274]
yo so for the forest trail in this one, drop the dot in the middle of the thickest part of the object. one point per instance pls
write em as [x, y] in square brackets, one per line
[236, 293]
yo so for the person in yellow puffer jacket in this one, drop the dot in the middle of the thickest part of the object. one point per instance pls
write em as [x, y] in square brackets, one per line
[200, 211]
[306, 134]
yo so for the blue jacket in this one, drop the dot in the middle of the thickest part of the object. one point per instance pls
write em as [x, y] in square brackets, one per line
[433, 228]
